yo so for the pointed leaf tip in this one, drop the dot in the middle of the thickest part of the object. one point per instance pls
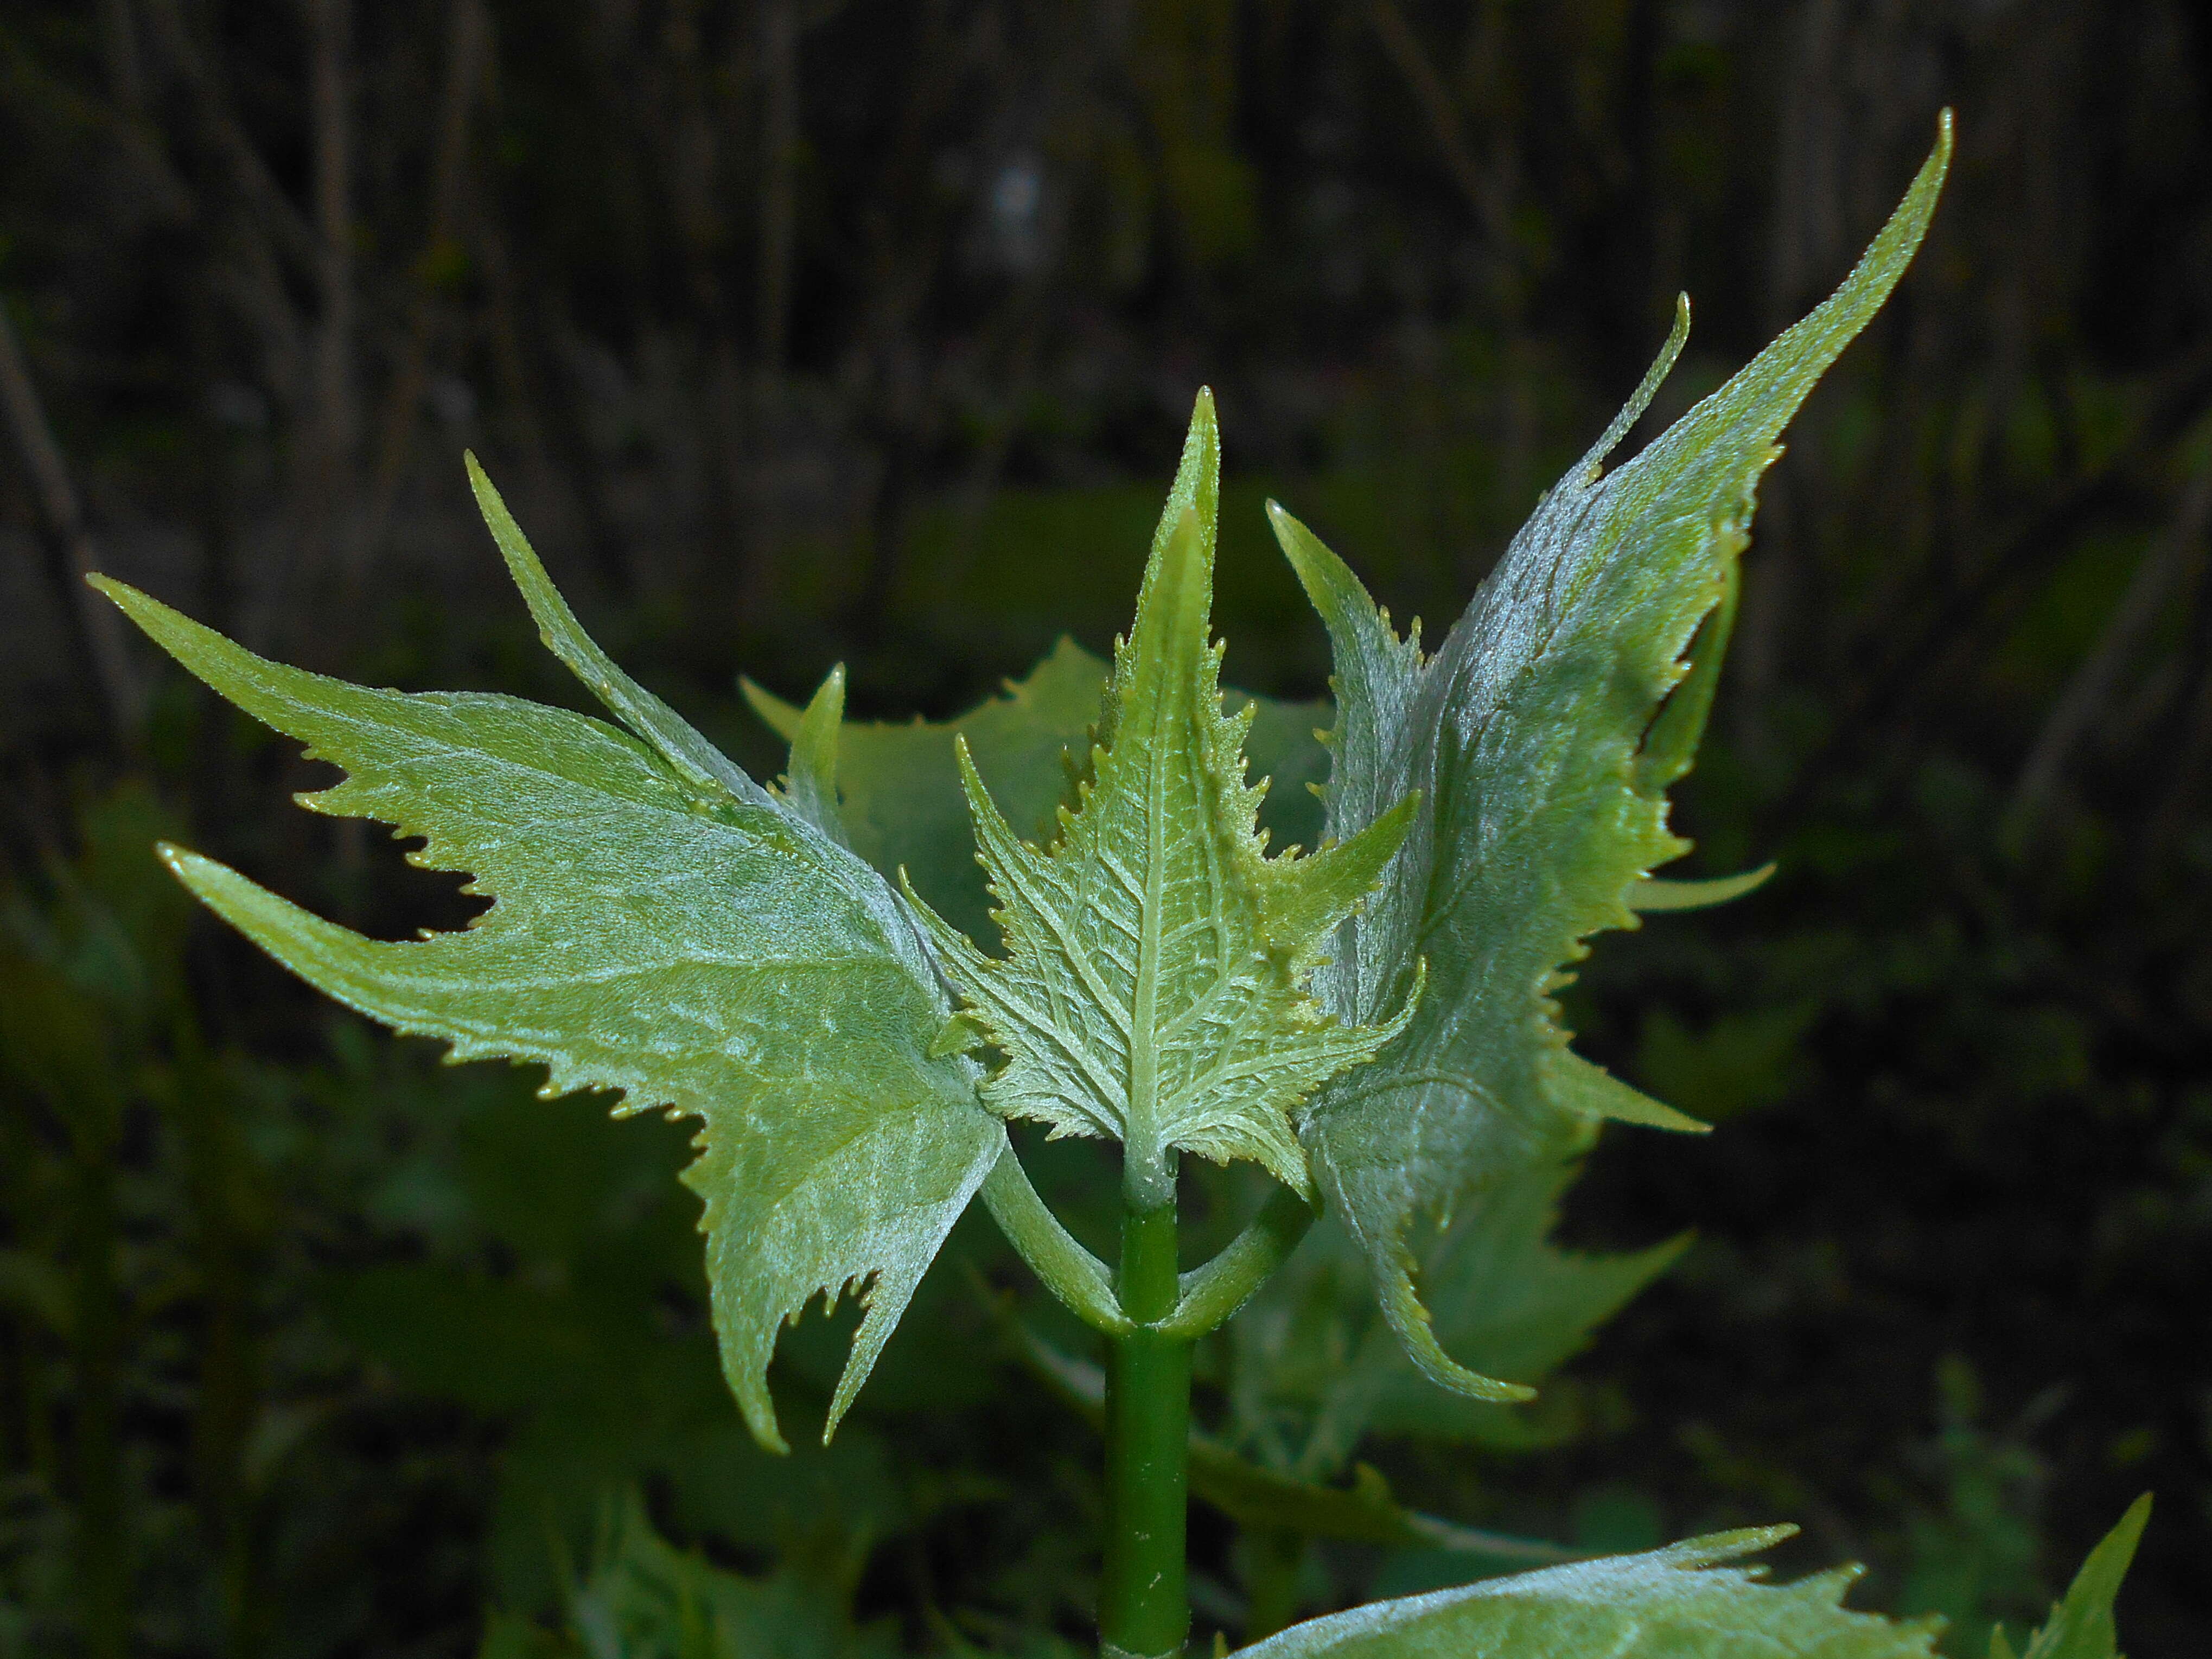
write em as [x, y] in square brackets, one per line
[676, 740]
[812, 779]
[1322, 888]
[1197, 487]
[1678, 335]
[1655, 893]
[1582, 1085]
[2081, 1625]
[1409, 1318]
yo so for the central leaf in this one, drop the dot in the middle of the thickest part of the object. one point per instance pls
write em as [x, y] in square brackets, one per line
[1154, 988]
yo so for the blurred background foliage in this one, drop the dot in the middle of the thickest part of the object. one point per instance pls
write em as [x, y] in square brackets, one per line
[803, 330]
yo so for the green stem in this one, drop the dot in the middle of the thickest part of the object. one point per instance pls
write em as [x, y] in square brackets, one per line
[1143, 1609]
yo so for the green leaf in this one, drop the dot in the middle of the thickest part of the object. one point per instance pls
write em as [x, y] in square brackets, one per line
[903, 807]
[1314, 1370]
[2081, 1625]
[1541, 739]
[1154, 988]
[701, 766]
[642, 1598]
[1674, 1604]
[665, 928]
[1284, 746]
[1515, 1303]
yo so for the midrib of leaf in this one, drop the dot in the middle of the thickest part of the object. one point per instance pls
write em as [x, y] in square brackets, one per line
[1145, 1174]
[1146, 1178]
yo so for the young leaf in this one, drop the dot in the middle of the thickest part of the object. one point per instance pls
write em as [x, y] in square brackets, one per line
[663, 928]
[2081, 1625]
[1674, 1604]
[1154, 986]
[900, 782]
[1541, 739]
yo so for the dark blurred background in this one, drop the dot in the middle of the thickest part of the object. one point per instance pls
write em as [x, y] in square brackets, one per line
[802, 330]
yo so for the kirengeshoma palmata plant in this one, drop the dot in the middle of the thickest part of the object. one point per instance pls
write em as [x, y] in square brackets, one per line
[1371, 1022]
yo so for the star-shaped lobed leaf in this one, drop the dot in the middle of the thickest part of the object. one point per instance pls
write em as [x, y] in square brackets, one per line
[1541, 740]
[1154, 988]
[663, 926]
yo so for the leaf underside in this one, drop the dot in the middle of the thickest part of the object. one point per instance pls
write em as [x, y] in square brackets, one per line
[663, 928]
[1674, 1604]
[1541, 738]
[1154, 988]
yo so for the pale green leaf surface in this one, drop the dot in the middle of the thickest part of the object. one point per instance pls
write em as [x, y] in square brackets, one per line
[900, 782]
[1674, 1603]
[2081, 1625]
[1154, 986]
[659, 931]
[1532, 740]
